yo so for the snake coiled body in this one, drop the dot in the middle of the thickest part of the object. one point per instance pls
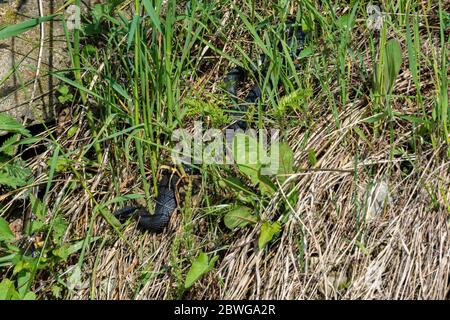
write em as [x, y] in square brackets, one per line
[166, 201]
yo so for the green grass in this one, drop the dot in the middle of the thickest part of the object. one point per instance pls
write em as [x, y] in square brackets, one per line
[141, 69]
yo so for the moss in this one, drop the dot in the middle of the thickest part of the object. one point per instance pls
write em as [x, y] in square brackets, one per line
[213, 109]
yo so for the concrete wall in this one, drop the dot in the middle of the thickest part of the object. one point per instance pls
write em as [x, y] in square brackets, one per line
[21, 53]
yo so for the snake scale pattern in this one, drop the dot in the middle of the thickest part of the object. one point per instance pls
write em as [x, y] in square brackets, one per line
[166, 201]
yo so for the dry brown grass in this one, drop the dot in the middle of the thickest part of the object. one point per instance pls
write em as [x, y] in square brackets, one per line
[403, 253]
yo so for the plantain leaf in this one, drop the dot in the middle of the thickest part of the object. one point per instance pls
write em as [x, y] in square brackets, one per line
[7, 290]
[268, 231]
[23, 279]
[245, 153]
[266, 186]
[392, 62]
[286, 161]
[236, 185]
[30, 295]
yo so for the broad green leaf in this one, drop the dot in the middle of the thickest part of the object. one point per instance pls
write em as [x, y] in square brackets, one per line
[110, 218]
[10, 124]
[307, 23]
[61, 252]
[7, 290]
[249, 156]
[71, 132]
[306, 52]
[18, 28]
[375, 118]
[5, 231]
[239, 218]
[199, 267]
[9, 259]
[23, 280]
[65, 251]
[19, 266]
[75, 247]
[246, 155]
[237, 185]
[266, 186]
[268, 231]
[285, 160]
[36, 226]
[392, 62]
[66, 98]
[344, 21]
[251, 172]
[29, 296]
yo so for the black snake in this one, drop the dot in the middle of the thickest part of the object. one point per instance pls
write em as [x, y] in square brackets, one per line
[166, 201]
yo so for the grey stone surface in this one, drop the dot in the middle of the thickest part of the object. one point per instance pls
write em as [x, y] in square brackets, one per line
[21, 54]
